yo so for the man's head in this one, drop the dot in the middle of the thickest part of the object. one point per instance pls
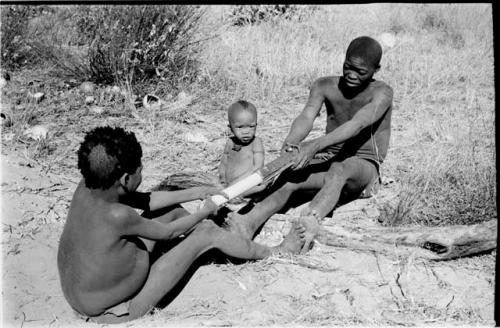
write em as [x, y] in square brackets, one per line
[242, 117]
[108, 155]
[362, 60]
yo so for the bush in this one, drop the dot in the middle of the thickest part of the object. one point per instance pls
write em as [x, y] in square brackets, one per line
[254, 14]
[133, 44]
[15, 34]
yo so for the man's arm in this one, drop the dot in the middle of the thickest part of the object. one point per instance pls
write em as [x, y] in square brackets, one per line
[132, 224]
[303, 123]
[366, 116]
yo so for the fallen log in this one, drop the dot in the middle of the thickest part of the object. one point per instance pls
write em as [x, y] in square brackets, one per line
[434, 243]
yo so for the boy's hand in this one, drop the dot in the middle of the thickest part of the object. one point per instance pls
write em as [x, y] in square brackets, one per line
[210, 207]
[307, 150]
[206, 192]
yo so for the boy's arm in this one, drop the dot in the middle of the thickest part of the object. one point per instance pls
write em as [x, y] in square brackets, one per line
[366, 116]
[132, 224]
[151, 201]
[223, 162]
[258, 154]
[303, 123]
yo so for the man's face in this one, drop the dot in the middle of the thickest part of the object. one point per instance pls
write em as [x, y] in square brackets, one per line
[243, 125]
[357, 71]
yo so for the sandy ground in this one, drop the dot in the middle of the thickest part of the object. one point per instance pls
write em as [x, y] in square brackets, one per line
[327, 286]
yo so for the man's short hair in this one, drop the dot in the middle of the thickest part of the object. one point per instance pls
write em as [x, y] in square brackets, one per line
[240, 105]
[366, 48]
[107, 153]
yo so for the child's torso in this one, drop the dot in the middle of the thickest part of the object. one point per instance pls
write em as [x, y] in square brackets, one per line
[98, 268]
[239, 162]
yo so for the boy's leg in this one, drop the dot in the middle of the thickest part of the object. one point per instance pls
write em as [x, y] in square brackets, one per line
[166, 272]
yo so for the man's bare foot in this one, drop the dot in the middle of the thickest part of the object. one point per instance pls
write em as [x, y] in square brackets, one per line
[294, 240]
[235, 223]
[312, 226]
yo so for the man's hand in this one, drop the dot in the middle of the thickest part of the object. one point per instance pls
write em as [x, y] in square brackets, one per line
[307, 150]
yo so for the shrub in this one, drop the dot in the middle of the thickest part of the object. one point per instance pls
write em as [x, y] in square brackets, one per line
[14, 34]
[254, 14]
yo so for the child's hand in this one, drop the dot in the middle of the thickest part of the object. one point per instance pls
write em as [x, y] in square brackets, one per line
[210, 207]
[206, 192]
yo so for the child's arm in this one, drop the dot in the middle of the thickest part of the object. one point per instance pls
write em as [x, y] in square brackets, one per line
[132, 224]
[151, 201]
[258, 154]
[223, 162]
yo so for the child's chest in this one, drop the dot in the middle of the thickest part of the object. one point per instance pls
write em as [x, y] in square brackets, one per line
[242, 155]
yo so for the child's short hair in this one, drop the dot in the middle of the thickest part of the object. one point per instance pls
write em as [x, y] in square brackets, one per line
[107, 153]
[240, 105]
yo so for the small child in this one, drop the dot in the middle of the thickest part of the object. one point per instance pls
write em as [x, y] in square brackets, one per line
[243, 152]
[105, 268]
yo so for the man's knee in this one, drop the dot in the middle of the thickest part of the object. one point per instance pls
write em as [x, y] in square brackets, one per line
[337, 171]
[206, 228]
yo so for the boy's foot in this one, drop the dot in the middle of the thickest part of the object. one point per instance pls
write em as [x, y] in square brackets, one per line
[234, 223]
[294, 240]
[312, 226]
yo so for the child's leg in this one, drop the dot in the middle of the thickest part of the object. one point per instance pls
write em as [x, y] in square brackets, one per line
[166, 272]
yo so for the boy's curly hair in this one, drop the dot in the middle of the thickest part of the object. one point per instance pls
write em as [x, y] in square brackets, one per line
[107, 153]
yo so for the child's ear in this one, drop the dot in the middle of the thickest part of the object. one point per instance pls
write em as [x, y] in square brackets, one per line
[124, 179]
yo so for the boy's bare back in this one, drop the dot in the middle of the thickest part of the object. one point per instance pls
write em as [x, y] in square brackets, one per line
[109, 267]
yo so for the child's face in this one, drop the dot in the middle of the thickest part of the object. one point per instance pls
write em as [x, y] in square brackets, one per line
[357, 71]
[135, 180]
[243, 126]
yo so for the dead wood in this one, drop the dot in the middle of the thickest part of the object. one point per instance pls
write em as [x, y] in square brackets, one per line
[435, 243]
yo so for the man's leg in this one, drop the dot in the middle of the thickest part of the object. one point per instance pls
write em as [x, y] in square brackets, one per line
[311, 178]
[166, 272]
[163, 215]
[352, 175]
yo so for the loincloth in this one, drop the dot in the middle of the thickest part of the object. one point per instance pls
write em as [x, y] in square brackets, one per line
[371, 189]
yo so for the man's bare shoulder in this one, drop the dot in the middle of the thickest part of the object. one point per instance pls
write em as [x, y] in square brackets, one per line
[326, 81]
[380, 88]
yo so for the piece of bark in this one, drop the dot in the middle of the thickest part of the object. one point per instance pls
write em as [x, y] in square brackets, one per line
[435, 243]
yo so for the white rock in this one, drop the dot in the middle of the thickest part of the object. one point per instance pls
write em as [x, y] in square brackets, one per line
[115, 89]
[3, 83]
[151, 102]
[195, 137]
[87, 87]
[89, 100]
[97, 110]
[388, 40]
[37, 97]
[37, 132]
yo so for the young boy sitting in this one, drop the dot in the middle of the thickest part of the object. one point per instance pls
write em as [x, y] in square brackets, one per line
[243, 152]
[103, 261]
